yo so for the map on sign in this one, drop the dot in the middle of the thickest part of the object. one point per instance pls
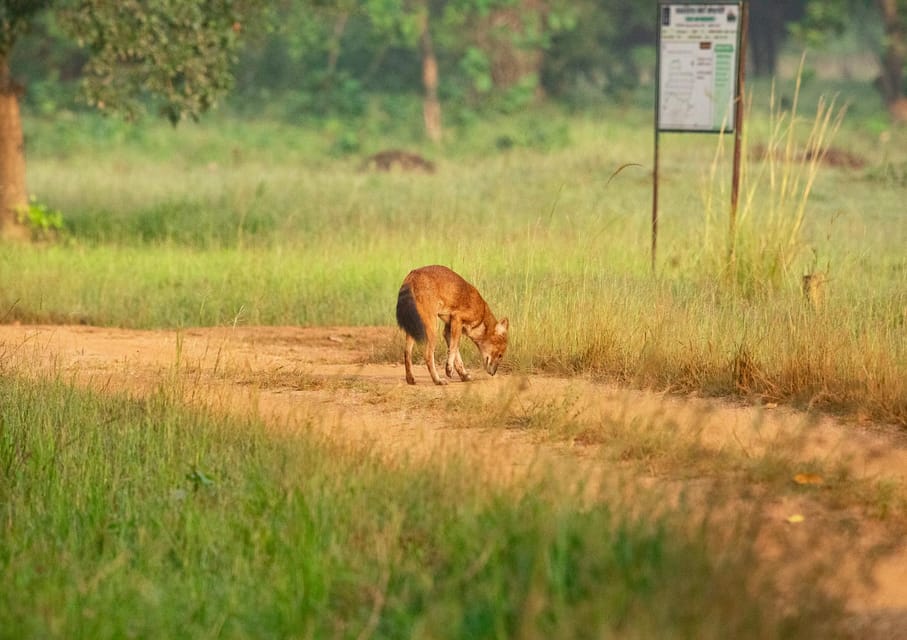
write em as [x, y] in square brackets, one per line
[697, 66]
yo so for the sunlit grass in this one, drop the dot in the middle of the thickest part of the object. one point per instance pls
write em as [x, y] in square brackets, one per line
[141, 517]
[646, 440]
[170, 228]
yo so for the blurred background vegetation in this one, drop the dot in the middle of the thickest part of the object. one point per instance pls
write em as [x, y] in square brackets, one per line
[338, 63]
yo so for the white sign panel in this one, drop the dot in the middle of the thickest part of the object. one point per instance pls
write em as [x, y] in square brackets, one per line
[697, 66]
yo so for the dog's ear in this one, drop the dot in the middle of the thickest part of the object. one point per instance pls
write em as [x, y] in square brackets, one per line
[502, 326]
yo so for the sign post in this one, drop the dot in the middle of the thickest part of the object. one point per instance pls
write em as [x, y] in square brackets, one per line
[699, 80]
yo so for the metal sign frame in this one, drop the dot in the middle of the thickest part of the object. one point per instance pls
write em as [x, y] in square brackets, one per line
[742, 18]
[697, 77]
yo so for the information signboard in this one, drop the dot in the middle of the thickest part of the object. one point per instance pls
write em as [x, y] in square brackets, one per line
[698, 45]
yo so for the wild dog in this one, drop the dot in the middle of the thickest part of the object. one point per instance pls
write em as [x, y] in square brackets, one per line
[434, 292]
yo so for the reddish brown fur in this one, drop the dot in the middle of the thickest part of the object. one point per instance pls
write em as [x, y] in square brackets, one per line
[437, 292]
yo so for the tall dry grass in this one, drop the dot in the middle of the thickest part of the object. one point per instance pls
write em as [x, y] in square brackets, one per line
[778, 177]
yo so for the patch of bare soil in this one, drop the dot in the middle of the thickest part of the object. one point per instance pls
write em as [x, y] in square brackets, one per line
[326, 379]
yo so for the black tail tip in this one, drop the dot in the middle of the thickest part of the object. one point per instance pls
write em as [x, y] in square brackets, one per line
[408, 315]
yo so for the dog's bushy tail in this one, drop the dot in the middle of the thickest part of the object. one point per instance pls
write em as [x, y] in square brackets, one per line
[408, 315]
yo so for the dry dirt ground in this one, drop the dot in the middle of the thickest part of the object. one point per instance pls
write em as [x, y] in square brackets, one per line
[333, 381]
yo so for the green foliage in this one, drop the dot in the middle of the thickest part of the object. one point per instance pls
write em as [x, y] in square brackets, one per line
[49, 63]
[43, 221]
[336, 54]
[15, 19]
[823, 20]
[330, 59]
[477, 68]
[594, 45]
[172, 54]
[881, 25]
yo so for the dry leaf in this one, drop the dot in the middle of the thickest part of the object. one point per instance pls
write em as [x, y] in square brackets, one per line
[797, 518]
[808, 478]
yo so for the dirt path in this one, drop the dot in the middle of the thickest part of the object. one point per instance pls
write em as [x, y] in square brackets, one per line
[326, 378]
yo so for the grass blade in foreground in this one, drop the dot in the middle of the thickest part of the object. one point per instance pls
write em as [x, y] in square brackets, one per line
[141, 518]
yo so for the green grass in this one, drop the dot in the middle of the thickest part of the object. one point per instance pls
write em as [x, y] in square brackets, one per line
[123, 517]
[257, 222]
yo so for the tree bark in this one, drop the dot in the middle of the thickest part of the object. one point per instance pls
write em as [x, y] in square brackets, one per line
[893, 59]
[766, 32]
[431, 109]
[13, 194]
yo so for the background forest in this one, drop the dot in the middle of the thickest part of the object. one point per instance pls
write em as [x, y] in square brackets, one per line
[314, 61]
[409, 68]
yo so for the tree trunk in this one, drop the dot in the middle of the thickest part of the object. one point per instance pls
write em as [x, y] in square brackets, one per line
[335, 42]
[766, 33]
[13, 194]
[431, 109]
[893, 58]
[503, 36]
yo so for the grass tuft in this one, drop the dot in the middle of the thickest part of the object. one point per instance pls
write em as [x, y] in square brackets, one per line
[141, 517]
